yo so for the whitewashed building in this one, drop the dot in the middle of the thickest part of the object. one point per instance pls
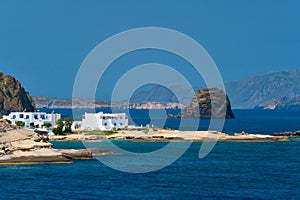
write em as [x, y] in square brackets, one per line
[103, 121]
[37, 118]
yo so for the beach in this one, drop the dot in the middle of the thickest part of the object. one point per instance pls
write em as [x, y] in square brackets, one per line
[163, 135]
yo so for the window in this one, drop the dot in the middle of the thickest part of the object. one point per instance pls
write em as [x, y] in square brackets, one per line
[42, 116]
[21, 116]
[35, 116]
[105, 124]
[27, 117]
[103, 117]
[121, 124]
[115, 124]
[14, 117]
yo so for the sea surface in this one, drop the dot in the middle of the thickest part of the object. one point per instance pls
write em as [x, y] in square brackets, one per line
[252, 121]
[233, 170]
[243, 170]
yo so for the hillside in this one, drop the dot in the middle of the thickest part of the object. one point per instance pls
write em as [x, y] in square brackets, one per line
[253, 91]
[153, 93]
[50, 102]
[13, 97]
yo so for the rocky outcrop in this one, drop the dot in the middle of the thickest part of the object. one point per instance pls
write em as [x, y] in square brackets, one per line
[83, 154]
[296, 133]
[21, 146]
[201, 105]
[13, 96]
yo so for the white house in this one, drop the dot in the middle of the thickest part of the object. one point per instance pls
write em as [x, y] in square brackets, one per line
[102, 121]
[38, 118]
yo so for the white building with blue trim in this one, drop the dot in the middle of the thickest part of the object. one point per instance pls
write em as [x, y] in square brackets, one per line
[37, 118]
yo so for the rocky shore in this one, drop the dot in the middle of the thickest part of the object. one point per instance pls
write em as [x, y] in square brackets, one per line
[162, 135]
[21, 146]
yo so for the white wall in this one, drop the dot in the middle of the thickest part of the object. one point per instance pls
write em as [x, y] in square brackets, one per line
[103, 121]
[38, 118]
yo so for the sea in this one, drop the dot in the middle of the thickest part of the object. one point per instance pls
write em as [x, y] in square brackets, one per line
[232, 170]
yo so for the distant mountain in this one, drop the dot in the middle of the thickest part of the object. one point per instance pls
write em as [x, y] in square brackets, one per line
[50, 102]
[253, 91]
[159, 93]
[153, 93]
[13, 97]
[281, 104]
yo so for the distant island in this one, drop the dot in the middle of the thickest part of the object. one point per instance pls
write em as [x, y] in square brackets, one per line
[84, 103]
[255, 90]
[280, 104]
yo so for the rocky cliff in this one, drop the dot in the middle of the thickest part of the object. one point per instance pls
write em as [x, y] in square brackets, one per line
[13, 96]
[201, 105]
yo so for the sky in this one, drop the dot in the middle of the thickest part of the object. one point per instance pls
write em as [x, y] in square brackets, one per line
[43, 43]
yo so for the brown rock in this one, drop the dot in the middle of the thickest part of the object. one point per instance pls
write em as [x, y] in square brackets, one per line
[13, 96]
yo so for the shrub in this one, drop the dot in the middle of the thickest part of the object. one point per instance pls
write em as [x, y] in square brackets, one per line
[47, 125]
[32, 125]
[57, 131]
[146, 130]
[20, 123]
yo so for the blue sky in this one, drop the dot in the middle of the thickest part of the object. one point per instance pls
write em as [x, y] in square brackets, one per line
[43, 43]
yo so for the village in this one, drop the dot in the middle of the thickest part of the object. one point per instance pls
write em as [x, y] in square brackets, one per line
[49, 122]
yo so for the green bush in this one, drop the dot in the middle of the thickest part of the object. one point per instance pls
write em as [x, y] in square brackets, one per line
[20, 123]
[47, 125]
[68, 121]
[109, 132]
[57, 131]
[32, 125]
[146, 130]
[8, 121]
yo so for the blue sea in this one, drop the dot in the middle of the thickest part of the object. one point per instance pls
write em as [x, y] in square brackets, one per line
[233, 170]
[252, 121]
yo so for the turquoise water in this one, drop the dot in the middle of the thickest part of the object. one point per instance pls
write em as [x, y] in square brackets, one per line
[231, 170]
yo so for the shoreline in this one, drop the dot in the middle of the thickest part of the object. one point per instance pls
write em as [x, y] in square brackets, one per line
[162, 135]
[20, 146]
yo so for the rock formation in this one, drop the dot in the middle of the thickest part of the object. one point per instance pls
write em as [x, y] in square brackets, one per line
[201, 105]
[21, 146]
[13, 96]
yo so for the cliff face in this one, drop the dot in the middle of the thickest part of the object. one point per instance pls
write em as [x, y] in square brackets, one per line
[201, 105]
[13, 96]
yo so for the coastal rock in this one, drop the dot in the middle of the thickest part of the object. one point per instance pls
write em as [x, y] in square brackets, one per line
[83, 154]
[76, 154]
[21, 146]
[201, 105]
[296, 133]
[98, 152]
[13, 96]
[34, 157]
